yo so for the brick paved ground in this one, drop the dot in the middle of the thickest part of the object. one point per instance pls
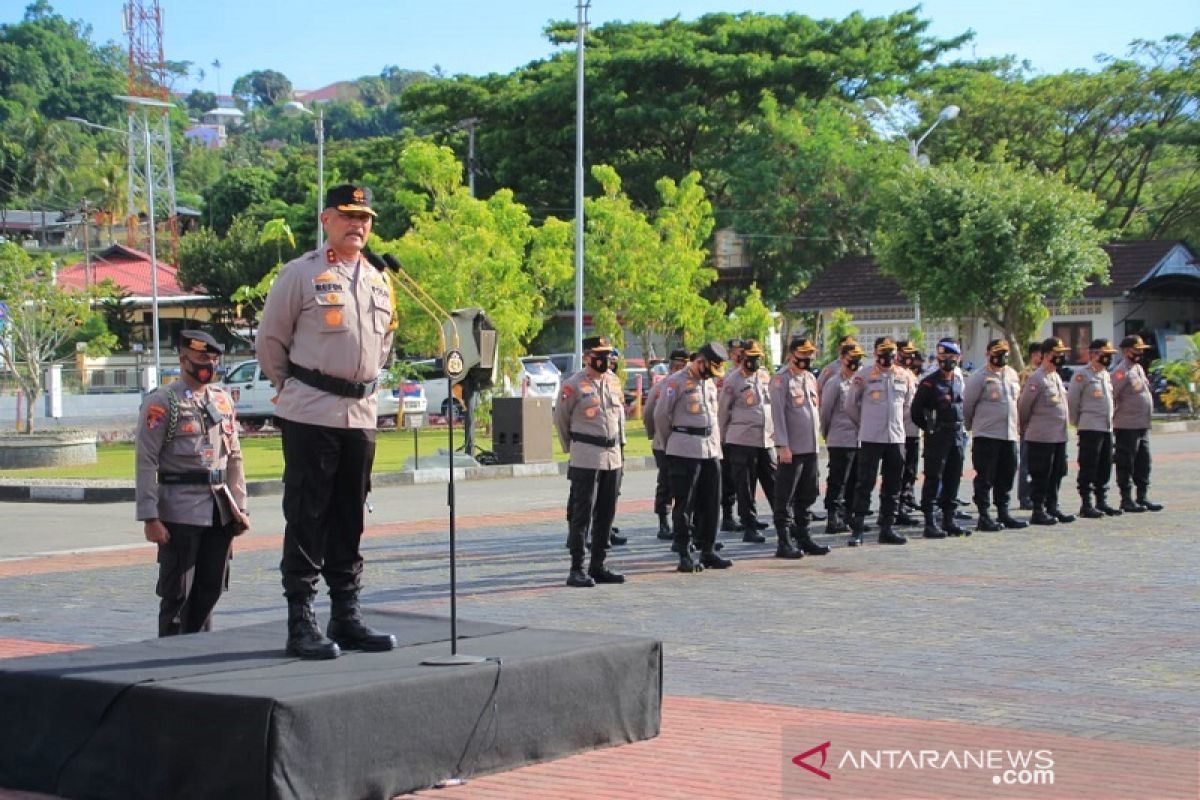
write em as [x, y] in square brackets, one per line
[1084, 637]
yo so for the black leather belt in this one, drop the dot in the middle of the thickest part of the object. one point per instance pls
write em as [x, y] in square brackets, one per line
[328, 383]
[599, 441]
[692, 431]
[211, 477]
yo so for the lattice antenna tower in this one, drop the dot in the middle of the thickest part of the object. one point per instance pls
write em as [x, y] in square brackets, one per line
[143, 24]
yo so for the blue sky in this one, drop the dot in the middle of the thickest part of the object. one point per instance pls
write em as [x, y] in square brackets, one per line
[315, 42]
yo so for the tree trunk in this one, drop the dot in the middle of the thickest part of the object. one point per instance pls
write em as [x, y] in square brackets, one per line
[31, 396]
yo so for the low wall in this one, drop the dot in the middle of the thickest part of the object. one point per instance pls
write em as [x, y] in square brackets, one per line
[20, 451]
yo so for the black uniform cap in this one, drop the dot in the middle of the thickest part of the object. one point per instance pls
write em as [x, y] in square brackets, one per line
[714, 352]
[199, 342]
[679, 355]
[597, 344]
[350, 198]
[1134, 342]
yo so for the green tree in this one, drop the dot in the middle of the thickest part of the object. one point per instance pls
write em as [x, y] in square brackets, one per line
[236, 191]
[265, 87]
[993, 241]
[754, 320]
[841, 323]
[40, 318]
[1183, 375]
[221, 265]
[198, 102]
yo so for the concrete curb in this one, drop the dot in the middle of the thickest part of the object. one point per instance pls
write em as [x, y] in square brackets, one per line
[49, 490]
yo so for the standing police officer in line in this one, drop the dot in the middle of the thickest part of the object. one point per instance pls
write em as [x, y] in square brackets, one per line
[990, 413]
[879, 401]
[1033, 360]
[910, 358]
[1090, 405]
[326, 333]
[1043, 415]
[937, 409]
[841, 438]
[729, 524]
[746, 424]
[590, 420]
[658, 446]
[1132, 406]
[191, 493]
[614, 365]
[796, 405]
[688, 409]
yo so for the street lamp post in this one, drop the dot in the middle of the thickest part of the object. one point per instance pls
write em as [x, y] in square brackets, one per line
[580, 27]
[296, 107]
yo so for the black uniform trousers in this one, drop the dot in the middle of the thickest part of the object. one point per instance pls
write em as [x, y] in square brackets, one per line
[193, 571]
[662, 484]
[751, 466]
[995, 462]
[796, 488]
[912, 459]
[1132, 458]
[1095, 461]
[1047, 468]
[1023, 496]
[873, 458]
[696, 491]
[943, 469]
[591, 506]
[839, 485]
[728, 487]
[326, 478]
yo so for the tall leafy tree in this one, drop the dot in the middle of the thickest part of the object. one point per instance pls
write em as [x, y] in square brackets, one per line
[990, 241]
[220, 265]
[264, 87]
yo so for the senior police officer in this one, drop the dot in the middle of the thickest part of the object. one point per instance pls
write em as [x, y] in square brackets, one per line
[688, 409]
[729, 524]
[1132, 406]
[910, 358]
[658, 446]
[745, 419]
[1042, 411]
[937, 409]
[878, 402]
[1033, 360]
[841, 438]
[590, 420]
[614, 365]
[326, 333]
[796, 407]
[1090, 407]
[990, 412]
[191, 493]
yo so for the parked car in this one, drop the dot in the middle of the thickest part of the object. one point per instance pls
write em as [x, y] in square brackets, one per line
[254, 395]
[540, 378]
[428, 373]
[410, 394]
[563, 362]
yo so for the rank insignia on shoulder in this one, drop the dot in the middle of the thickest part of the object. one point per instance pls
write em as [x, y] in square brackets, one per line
[567, 391]
[330, 256]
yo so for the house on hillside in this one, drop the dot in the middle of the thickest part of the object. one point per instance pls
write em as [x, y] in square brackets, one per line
[129, 269]
[1153, 291]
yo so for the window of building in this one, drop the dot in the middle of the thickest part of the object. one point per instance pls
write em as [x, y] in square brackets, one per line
[1077, 336]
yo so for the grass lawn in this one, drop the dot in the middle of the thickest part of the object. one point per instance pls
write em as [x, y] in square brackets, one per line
[264, 455]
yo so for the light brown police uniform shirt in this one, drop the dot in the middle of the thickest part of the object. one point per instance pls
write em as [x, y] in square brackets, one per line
[990, 404]
[332, 317]
[796, 405]
[592, 408]
[193, 447]
[1133, 402]
[1090, 400]
[1043, 407]
[836, 426]
[879, 402]
[657, 437]
[744, 409]
[688, 402]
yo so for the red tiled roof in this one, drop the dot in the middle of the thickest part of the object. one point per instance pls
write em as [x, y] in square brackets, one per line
[128, 269]
[342, 90]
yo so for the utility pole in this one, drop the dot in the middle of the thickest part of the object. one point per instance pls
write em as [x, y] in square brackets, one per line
[580, 29]
[85, 210]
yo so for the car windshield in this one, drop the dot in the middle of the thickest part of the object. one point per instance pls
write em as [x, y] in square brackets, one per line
[541, 369]
[244, 372]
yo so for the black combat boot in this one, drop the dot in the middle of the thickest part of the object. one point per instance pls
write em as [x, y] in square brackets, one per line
[856, 531]
[687, 563]
[986, 523]
[750, 533]
[1127, 504]
[785, 548]
[577, 577]
[1008, 520]
[932, 531]
[1086, 509]
[727, 523]
[888, 536]
[950, 524]
[836, 521]
[1143, 499]
[304, 635]
[1102, 504]
[710, 560]
[1059, 514]
[664, 528]
[602, 574]
[1040, 516]
[615, 539]
[805, 542]
[905, 518]
[347, 629]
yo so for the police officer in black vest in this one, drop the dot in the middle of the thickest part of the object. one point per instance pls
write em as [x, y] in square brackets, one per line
[938, 410]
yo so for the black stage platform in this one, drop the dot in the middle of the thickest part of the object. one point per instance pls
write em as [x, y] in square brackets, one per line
[228, 715]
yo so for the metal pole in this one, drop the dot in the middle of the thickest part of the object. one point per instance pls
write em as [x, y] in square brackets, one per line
[450, 500]
[471, 158]
[581, 21]
[153, 245]
[320, 174]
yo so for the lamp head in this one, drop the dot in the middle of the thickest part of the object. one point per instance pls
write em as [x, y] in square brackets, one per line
[948, 113]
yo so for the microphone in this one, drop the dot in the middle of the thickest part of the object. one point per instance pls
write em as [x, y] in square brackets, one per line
[374, 260]
[392, 262]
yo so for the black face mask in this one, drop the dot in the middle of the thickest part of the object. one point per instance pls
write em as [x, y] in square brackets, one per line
[802, 363]
[202, 373]
[1134, 357]
[1105, 360]
[1058, 360]
[854, 364]
[885, 359]
[947, 364]
[752, 363]
[598, 363]
[999, 359]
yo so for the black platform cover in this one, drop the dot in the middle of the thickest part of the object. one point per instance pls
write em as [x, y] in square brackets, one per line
[228, 715]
